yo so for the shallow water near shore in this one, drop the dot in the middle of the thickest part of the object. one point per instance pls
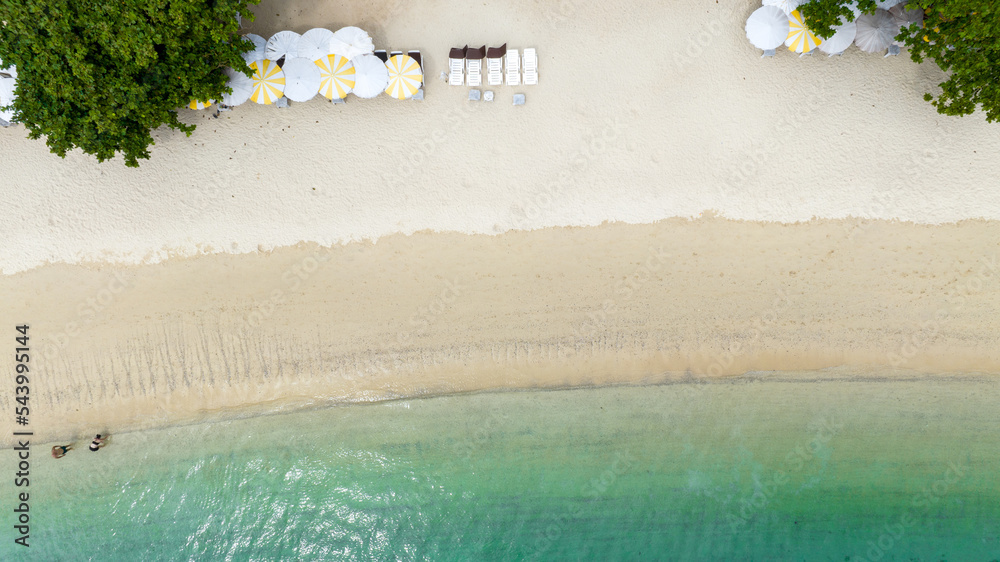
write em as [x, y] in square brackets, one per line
[773, 467]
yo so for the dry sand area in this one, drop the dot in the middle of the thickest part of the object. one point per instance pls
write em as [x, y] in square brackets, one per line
[644, 111]
[137, 346]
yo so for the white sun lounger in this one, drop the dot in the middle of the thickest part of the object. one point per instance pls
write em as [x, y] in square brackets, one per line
[494, 72]
[457, 75]
[474, 66]
[456, 66]
[530, 67]
[494, 65]
[513, 67]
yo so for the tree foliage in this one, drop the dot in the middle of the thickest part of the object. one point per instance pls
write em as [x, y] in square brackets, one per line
[100, 76]
[822, 15]
[961, 36]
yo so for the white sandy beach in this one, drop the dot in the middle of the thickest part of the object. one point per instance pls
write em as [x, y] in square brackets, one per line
[666, 205]
[645, 111]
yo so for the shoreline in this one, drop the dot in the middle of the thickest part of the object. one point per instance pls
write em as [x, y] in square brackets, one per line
[433, 314]
[694, 385]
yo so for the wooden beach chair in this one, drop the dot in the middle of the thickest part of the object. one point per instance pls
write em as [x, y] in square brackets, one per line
[513, 67]
[474, 66]
[494, 65]
[530, 67]
[381, 54]
[456, 66]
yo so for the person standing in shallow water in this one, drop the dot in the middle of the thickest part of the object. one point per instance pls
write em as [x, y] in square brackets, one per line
[59, 451]
[97, 443]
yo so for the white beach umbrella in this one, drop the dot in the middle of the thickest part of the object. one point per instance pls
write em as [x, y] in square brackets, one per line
[370, 76]
[259, 44]
[903, 18]
[875, 32]
[7, 96]
[301, 79]
[282, 44]
[787, 6]
[268, 82]
[336, 76]
[12, 70]
[800, 38]
[405, 77]
[7, 86]
[314, 44]
[351, 42]
[242, 88]
[886, 4]
[843, 36]
[767, 27]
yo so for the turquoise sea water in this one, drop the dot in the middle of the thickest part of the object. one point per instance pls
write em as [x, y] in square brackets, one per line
[755, 469]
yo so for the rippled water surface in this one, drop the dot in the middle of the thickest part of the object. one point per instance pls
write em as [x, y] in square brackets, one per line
[757, 469]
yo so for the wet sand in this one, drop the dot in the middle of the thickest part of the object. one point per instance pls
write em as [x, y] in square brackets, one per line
[129, 347]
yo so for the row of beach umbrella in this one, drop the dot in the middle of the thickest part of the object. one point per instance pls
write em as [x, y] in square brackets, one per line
[778, 22]
[298, 67]
[318, 62]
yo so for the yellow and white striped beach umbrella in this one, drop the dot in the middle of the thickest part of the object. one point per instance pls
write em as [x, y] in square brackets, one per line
[336, 75]
[268, 82]
[195, 104]
[405, 77]
[800, 38]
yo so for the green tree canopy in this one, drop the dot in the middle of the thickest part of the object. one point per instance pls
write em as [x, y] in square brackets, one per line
[961, 36]
[100, 76]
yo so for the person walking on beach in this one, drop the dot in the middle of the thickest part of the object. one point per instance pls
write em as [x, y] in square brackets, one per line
[97, 443]
[59, 451]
